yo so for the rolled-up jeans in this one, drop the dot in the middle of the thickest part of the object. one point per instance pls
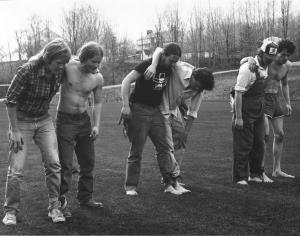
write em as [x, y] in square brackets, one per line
[42, 131]
[148, 121]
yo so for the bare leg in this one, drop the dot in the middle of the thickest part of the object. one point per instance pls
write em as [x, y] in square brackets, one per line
[265, 178]
[277, 124]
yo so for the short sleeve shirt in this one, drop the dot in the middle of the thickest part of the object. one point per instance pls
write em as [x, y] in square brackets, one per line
[149, 92]
[246, 78]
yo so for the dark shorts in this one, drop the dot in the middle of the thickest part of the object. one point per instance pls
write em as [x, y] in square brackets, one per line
[273, 106]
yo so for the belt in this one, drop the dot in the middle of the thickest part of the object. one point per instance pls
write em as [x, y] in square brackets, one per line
[73, 116]
[273, 91]
[25, 117]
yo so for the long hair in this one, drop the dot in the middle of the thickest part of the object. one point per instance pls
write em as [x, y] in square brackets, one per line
[89, 50]
[56, 49]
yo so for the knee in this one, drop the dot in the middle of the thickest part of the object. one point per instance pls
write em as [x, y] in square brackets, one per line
[279, 137]
[52, 168]
[15, 172]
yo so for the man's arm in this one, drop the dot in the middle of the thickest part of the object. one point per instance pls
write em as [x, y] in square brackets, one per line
[238, 102]
[286, 94]
[15, 135]
[151, 70]
[125, 93]
[97, 108]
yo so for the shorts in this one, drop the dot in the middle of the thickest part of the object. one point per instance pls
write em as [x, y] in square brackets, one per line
[178, 127]
[273, 107]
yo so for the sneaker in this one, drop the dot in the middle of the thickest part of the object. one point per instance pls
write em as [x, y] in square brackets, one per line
[9, 219]
[172, 190]
[64, 208]
[242, 182]
[181, 189]
[56, 215]
[256, 179]
[91, 203]
[131, 192]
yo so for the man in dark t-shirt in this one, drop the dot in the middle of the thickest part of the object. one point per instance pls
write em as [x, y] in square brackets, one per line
[142, 114]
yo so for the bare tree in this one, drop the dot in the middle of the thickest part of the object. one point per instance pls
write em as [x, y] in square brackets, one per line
[285, 13]
[81, 24]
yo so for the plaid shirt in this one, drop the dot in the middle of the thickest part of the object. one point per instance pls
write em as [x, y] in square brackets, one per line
[32, 91]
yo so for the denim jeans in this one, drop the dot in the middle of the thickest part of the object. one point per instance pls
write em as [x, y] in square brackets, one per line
[248, 149]
[148, 121]
[73, 133]
[42, 131]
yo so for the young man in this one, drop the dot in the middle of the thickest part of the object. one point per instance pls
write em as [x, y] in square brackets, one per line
[73, 125]
[277, 79]
[27, 100]
[248, 118]
[141, 113]
[186, 83]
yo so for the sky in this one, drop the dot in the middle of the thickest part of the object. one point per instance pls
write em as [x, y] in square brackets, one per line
[130, 18]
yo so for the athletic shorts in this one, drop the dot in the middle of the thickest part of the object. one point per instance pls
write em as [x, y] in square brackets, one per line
[178, 127]
[273, 106]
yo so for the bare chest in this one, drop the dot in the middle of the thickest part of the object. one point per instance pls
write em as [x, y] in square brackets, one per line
[80, 83]
[277, 73]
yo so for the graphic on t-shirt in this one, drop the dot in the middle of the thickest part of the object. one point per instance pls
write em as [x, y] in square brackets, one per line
[160, 82]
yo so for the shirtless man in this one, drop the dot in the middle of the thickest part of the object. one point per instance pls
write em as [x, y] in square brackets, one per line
[74, 129]
[277, 77]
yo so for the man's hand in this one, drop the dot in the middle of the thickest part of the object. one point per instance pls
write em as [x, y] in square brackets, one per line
[289, 109]
[239, 123]
[150, 72]
[15, 141]
[125, 114]
[95, 132]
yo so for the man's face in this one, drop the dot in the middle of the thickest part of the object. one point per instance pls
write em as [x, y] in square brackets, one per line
[267, 59]
[283, 57]
[170, 60]
[195, 85]
[92, 64]
[56, 66]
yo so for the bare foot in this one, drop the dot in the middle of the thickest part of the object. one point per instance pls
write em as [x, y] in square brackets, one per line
[282, 174]
[266, 179]
[242, 182]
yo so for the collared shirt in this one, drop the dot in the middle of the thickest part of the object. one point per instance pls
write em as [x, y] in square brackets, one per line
[246, 78]
[31, 91]
[177, 90]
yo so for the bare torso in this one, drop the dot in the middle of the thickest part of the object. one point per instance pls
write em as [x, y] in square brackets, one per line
[76, 88]
[275, 75]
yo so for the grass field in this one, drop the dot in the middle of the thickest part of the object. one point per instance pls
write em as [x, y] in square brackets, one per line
[215, 206]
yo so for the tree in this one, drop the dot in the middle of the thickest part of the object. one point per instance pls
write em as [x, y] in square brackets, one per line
[80, 25]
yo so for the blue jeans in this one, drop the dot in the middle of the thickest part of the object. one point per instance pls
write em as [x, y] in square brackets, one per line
[73, 132]
[42, 131]
[248, 149]
[148, 121]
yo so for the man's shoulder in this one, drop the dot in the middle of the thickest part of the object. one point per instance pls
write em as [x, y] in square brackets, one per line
[289, 64]
[244, 68]
[73, 63]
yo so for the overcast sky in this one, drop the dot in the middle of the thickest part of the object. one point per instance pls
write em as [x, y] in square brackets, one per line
[130, 18]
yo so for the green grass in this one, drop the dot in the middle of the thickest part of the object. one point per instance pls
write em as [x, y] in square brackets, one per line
[215, 206]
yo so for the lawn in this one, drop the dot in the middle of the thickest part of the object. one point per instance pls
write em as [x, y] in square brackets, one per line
[215, 206]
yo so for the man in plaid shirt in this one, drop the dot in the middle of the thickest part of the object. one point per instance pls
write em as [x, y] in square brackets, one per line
[27, 101]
